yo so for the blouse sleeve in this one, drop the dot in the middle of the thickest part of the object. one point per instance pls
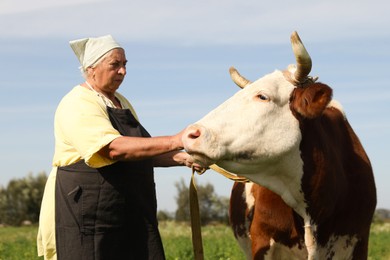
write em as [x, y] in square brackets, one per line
[82, 123]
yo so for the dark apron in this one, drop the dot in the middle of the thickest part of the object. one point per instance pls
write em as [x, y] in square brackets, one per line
[109, 212]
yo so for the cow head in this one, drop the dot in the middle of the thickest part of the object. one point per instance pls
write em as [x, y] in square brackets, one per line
[258, 129]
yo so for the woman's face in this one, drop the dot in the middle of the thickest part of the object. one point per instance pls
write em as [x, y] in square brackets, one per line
[110, 72]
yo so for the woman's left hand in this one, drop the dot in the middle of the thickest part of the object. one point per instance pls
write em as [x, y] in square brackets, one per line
[188, 161]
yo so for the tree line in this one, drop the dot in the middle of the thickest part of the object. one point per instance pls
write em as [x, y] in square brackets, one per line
[212, 208]
[20, 201]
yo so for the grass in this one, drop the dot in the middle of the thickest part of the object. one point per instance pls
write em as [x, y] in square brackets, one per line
[379, 244]
[18, 243]
[218, 242]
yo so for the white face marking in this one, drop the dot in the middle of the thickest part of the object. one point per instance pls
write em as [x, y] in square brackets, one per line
[255, 134]
[253, 127]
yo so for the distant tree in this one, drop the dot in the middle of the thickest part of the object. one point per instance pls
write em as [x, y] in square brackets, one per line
[381, 216]
[21, 199]
[163, 215]
[3, 203]
[211, 206]
[182, 201]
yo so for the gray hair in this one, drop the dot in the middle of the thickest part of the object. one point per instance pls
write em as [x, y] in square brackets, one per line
[84, 71]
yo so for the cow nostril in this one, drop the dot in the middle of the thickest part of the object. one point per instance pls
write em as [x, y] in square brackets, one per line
[194, 134]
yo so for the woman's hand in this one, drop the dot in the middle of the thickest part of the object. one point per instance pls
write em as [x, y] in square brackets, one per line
[184, 158]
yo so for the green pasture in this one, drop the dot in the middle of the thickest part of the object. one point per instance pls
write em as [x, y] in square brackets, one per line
[18, 243]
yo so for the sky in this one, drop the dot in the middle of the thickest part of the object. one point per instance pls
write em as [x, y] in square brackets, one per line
[179, 53]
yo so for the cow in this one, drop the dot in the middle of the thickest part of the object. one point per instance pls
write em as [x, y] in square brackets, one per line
[311, 192]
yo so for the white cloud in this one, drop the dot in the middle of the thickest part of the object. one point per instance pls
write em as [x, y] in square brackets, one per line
[26, 6]
[195, 22]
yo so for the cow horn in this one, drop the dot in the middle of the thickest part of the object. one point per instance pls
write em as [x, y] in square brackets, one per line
[302, 57]
[238, 79]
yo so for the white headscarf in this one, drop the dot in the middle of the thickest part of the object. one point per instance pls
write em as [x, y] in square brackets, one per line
[89, 50]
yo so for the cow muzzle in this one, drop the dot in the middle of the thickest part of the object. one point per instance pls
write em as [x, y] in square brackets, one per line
[199, 143]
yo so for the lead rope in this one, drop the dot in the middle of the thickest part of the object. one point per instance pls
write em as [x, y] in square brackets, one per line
[197, 243]
[228, 175]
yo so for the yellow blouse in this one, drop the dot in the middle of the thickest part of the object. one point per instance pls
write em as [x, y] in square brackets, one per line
[81, 128]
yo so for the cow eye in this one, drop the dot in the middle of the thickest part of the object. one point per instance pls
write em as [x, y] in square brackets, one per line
[263, 97]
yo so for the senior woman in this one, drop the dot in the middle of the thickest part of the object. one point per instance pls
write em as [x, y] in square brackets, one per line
[100, 199]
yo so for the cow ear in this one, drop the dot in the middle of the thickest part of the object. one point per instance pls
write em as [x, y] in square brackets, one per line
[311, 101]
